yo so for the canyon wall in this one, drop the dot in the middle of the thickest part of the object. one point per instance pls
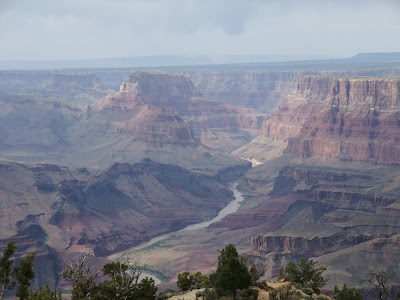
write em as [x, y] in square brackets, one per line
[341, 118]
[301, 246]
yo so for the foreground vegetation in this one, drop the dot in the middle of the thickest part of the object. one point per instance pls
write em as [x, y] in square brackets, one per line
[234, 278]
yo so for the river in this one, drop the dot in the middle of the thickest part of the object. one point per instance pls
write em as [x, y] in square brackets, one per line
[230, 208]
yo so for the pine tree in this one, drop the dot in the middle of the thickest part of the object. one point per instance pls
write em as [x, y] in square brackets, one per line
[232, 273]
[6, 268]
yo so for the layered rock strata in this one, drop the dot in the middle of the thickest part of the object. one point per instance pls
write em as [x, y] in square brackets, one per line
[355, 120]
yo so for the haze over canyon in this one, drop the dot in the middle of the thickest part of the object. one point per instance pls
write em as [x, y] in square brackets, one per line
[104, 160]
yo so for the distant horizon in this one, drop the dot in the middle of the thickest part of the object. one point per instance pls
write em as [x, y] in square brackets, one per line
[300, 56]
[47, 30]
[306, 57]
[154, 61]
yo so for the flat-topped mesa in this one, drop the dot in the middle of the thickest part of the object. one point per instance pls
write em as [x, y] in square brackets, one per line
[351, 119]
[173, 92]
[159, 87]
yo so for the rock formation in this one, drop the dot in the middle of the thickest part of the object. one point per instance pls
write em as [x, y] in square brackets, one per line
[62, 210]
[340, 118]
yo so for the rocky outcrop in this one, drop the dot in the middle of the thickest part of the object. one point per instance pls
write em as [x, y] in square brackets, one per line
[337, 188]
[120, 115]
[357, 121]
[346, 119]
[159, 89]
[301, 246]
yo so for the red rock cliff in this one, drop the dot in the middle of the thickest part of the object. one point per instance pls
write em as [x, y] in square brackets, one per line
[347, 119]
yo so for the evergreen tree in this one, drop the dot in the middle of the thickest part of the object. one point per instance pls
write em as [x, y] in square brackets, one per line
[187, 281]
[232, 273]
[6, 269]
[184, 281]
[24, 274]
[146, 290]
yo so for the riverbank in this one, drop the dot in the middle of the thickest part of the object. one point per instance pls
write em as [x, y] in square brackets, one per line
[230, 208]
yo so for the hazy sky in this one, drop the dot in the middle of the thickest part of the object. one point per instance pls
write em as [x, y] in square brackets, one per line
[75, 29]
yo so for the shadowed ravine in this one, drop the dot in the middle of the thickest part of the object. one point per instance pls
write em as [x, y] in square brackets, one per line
[232, 207]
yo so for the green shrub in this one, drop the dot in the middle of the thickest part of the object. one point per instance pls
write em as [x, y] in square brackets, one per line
[305, 274]
[308, 291]
[285, 292]
[200, 294]
[166, 294]
[210, 294]
[187, 281]
[247, 294]
[346, 293]
[184, 281]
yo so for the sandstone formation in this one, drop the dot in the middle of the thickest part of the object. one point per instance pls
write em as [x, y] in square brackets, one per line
[353, 120]
[306, 247]
[329, 211]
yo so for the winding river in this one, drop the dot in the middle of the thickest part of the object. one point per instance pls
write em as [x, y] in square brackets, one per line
[230, 208]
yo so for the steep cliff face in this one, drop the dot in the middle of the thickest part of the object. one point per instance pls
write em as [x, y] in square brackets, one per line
[159, 89]
[340, 118]
[338, 188]
[334, 213]
[306, 247]
[358, 121]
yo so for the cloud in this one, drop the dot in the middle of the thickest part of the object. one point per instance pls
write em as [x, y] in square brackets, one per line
[73, 29]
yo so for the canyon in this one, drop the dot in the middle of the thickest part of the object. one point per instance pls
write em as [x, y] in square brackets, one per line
[106, 160]
[67, 210]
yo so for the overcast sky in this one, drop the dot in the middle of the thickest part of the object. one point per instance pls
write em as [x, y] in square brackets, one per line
[80, 29]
